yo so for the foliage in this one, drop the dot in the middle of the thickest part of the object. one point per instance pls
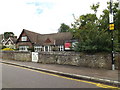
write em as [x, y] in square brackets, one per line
[118, 29]
[93, 33]
[7, 49]
[4, 47]
[95, 7]
[93, 40]
[63, 28]
[8, 34]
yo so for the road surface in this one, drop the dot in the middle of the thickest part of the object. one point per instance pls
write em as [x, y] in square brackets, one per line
[19, 77]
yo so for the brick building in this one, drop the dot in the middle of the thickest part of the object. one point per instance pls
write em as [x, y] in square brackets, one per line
[42, 42]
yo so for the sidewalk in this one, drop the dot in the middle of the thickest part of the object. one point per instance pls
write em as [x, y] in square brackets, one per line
[90, 72]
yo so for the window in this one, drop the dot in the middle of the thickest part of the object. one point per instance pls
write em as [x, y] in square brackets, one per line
[37, 48]
[61, 48]
[23, 48]
[9, 43]
[46, 48]
[24, 38]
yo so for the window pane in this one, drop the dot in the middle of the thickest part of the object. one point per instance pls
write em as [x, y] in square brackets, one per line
[24, 38]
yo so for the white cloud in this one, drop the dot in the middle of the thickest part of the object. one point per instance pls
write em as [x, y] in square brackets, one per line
[42, 16]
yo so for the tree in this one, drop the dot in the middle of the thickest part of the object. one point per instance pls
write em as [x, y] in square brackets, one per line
[105, 26]
[64, 28]
[118, 24]
[95, 7]
[85, 23]
[8, 34]
[93, 33]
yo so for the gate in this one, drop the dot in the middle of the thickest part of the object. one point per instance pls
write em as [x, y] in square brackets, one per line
[34, 56]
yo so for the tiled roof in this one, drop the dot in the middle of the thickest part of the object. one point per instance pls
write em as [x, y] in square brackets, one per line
[57, 38]
[1, 38]
[14, 39]
[33, 36]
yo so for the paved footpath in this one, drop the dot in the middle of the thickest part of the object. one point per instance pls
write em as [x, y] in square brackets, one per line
[102, 75]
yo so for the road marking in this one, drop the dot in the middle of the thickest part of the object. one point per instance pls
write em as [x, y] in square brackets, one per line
[97, 84]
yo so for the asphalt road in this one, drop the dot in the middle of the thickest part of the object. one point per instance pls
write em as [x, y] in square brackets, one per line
[19, 77]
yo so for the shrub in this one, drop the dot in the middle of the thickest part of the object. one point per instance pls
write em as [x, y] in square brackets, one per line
[4, 47]
[7, 49]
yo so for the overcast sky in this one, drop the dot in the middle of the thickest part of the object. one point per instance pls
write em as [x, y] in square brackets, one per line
[42, 16]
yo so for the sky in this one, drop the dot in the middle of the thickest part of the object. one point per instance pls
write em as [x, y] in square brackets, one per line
[42, 16]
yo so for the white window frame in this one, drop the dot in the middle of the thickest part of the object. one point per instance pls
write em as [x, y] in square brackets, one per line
[47, 48]
[24, 38]
[61, 48]
[38, 48]
[23, 48]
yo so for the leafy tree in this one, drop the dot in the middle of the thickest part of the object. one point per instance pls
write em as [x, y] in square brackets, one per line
[8, 34]
[95, 7]
[118, 24]
[105, 26]
[93, 32]
[64, 28]
[85, 23]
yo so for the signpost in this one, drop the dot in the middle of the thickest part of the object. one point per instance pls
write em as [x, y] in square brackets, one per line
[111, 28]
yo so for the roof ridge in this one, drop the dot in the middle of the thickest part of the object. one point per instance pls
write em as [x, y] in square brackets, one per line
[45, 34]
[31, 31]
[56, 33]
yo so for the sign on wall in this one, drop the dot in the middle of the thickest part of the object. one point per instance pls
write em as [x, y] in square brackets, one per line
[34, 56]
[70, 45]
[67, 46]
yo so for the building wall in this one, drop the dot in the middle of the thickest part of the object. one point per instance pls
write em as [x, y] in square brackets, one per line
[23, 34]
[0, 46]
[24, 44]
[10, 46]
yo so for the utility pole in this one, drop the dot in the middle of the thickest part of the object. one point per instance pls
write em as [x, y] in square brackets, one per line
[111, 28]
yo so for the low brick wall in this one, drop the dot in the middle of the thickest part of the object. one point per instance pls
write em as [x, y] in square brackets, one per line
[99, 60]
[16, 55]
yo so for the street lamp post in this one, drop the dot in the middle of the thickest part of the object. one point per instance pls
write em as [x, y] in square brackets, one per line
[111, 28]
